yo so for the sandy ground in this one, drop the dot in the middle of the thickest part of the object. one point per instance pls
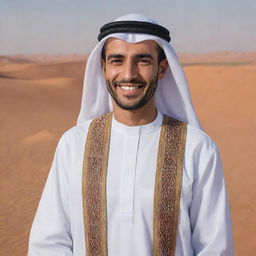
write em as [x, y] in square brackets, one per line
[39, 101]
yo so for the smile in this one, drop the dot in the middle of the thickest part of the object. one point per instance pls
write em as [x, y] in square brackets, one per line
[129, 88]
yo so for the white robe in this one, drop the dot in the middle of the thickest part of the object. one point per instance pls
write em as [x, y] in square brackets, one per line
[204, 226]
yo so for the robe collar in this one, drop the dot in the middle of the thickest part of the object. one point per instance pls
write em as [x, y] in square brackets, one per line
[138, 130]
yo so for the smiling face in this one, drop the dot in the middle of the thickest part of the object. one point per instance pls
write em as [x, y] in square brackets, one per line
[132, 71]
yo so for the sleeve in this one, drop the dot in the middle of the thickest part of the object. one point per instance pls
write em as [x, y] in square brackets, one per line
[209, 213]
[51, 233]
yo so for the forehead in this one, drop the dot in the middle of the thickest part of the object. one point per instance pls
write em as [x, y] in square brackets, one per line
[115, 45]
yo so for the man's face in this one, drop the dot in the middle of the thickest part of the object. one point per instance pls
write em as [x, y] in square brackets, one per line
[131, 72]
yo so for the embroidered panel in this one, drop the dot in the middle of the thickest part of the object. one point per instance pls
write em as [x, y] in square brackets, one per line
[168, 186]
[94, 186]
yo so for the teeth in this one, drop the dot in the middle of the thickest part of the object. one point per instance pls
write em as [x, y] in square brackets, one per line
[129, 88]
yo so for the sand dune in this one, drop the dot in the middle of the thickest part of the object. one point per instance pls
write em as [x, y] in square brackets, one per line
[40, 100]
[56, 81]
[42, 70]
[40, 136]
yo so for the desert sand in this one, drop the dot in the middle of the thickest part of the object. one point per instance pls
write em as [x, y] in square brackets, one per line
[41, 99]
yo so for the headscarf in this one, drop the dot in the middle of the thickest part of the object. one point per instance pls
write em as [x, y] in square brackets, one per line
[172, 95]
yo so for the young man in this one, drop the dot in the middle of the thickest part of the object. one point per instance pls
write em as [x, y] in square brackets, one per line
[143, 179]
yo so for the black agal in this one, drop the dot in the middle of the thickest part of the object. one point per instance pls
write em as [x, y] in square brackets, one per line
[134, 27]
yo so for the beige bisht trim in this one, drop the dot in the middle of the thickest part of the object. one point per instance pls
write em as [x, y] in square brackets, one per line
[167, 186]
[94, 186]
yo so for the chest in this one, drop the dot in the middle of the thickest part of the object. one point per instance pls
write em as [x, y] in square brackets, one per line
[131, 170]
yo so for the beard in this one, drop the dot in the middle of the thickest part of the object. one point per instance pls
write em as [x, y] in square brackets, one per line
[150, 88]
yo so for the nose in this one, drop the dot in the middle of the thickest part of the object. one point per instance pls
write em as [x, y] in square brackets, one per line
[130, 70]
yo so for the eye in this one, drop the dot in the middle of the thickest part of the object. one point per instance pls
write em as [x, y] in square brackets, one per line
[116, 61]
[144, 61]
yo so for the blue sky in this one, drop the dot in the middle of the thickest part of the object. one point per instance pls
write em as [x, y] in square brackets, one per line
[71, 26]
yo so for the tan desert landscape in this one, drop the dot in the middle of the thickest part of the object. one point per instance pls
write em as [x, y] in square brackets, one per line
[40, 99]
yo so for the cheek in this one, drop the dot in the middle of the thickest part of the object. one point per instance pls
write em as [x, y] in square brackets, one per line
[111, 73]
[148, 73]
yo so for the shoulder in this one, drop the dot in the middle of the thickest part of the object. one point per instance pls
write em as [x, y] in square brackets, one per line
[198, 140]
[200, 151]
[201, 154]
[75, 136]
[70, 148]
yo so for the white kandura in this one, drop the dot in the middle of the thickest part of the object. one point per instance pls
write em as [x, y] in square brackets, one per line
[204, 223]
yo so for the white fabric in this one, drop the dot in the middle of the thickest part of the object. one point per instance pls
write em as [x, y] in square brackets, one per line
[172, 95]
[204, 227]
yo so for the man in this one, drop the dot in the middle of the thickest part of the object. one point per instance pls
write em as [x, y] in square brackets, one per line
[135, 181]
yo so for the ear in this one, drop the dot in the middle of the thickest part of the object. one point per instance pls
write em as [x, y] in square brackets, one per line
[103, 64]
[163, 66]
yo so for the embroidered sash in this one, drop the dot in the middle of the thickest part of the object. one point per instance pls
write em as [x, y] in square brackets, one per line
[167, 186]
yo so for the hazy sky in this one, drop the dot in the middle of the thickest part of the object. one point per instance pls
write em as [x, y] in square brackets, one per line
[72, 26]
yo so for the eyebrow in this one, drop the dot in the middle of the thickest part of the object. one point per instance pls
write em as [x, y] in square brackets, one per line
[143, 55]
[113, 56]
[138, 56]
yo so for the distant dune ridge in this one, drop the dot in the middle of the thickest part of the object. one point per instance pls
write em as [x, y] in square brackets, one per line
[42, 57]
[40, 98]
[220, 56]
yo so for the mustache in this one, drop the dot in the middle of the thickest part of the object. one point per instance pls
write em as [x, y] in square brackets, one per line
[132, 81]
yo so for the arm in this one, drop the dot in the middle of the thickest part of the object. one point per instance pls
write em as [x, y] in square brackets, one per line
[50, 233]
[209, 212]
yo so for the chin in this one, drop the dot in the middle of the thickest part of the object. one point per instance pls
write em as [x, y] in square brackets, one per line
[132, 106]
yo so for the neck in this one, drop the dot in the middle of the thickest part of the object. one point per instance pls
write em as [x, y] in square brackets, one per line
[141, 116]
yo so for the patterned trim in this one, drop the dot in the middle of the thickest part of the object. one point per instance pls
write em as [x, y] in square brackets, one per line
[94, 186]
[168, 186]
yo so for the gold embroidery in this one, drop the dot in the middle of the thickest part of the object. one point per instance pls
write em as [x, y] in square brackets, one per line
[94, 186]
[167, 186]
